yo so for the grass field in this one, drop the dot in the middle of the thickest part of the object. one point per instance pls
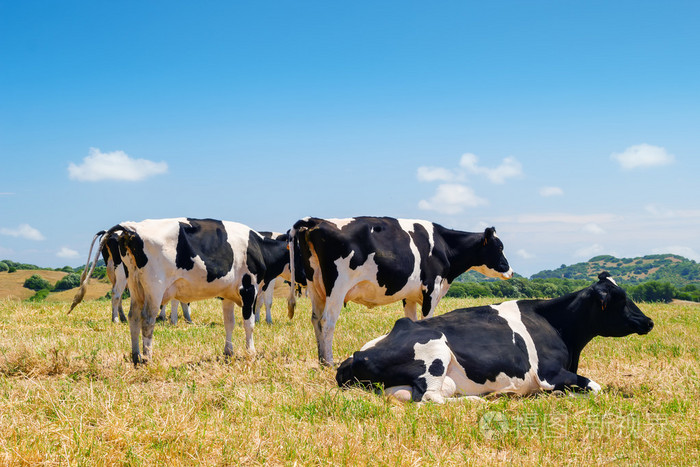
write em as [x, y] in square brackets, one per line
[69, 395]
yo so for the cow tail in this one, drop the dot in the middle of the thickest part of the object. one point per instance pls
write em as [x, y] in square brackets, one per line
[292, 300]
[88, 270]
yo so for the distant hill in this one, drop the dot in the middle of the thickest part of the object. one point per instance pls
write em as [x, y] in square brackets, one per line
[676, 270]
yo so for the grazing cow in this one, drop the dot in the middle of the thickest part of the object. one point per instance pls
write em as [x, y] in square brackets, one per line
[192, 259]
[380, 260]
[520, 346]
[117, 275]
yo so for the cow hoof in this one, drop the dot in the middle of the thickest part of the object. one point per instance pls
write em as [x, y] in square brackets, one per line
[138, 359]
[594, 387]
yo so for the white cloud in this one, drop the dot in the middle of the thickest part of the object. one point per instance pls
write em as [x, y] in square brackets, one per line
[452, 198]
[593, 228]
[115, 165]
[547, 191]
[524, 254]
[643, 155]
[65, 252]
[678, 250]
[562, 218]
[25, 231]
[589, 251]
[509, 168]
[434, 174]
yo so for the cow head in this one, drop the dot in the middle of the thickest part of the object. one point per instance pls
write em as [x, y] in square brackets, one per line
[344, 376]
[615, 315]
[493, 262]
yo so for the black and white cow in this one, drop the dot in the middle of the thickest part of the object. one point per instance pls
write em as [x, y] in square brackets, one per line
[192, 259]
[117, 275]
[520, 347]
[266, 297]
[379, 260]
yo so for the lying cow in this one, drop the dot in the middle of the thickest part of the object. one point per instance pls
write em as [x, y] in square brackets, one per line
[520, 347]
[117, 275]
[380, 260]
[192, 259]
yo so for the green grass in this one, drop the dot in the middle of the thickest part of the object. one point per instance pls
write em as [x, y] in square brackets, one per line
[69, 395]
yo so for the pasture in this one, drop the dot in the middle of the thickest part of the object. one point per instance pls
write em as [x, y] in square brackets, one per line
[69, 394]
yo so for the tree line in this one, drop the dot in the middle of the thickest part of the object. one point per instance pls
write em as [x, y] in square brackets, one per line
[520, 287]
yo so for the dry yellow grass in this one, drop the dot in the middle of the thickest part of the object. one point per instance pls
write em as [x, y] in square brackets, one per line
[69, 395]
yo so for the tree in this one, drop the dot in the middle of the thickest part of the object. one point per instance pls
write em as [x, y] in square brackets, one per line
[68, 282]
[36, 282]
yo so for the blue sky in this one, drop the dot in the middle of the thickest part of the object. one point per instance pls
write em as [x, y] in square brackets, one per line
[572, 127]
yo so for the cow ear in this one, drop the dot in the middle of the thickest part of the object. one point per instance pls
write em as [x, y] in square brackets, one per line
[488, 234]
[603, 296]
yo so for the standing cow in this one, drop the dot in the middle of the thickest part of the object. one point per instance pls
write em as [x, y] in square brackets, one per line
[520, 347]
[379, 260]
[266, 297]
[117, 275]
[193, 259]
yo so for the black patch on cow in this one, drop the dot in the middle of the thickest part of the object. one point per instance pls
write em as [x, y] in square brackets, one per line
[111, 250]
[266, 257]
[436, 368]
[248, 296]
[206, 238]
[129, 240]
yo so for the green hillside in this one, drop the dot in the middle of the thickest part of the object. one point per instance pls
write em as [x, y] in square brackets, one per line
[674, 269]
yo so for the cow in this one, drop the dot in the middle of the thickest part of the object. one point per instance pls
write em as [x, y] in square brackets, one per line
[379, 260]
[267, 296]
[117, 275]
[192, 259]
[519, 346]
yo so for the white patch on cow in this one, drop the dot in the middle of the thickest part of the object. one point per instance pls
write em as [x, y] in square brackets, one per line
[612, 280]
[400, 393]
[594, 387]
[511, 313]
[340, 223]
[438, 387]
[408, 225]
[372, 343]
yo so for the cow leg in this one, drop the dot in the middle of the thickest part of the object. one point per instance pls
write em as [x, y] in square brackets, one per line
[161, 315]
[122, 317]
[249, 292]
[409, 309]
[150, 312]
[317, 305]
[174, 304]
[567, 380]
[331, 312]
[265, 298]
[229, 323]
[135, 329]
[116, 306]
[186, 312]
